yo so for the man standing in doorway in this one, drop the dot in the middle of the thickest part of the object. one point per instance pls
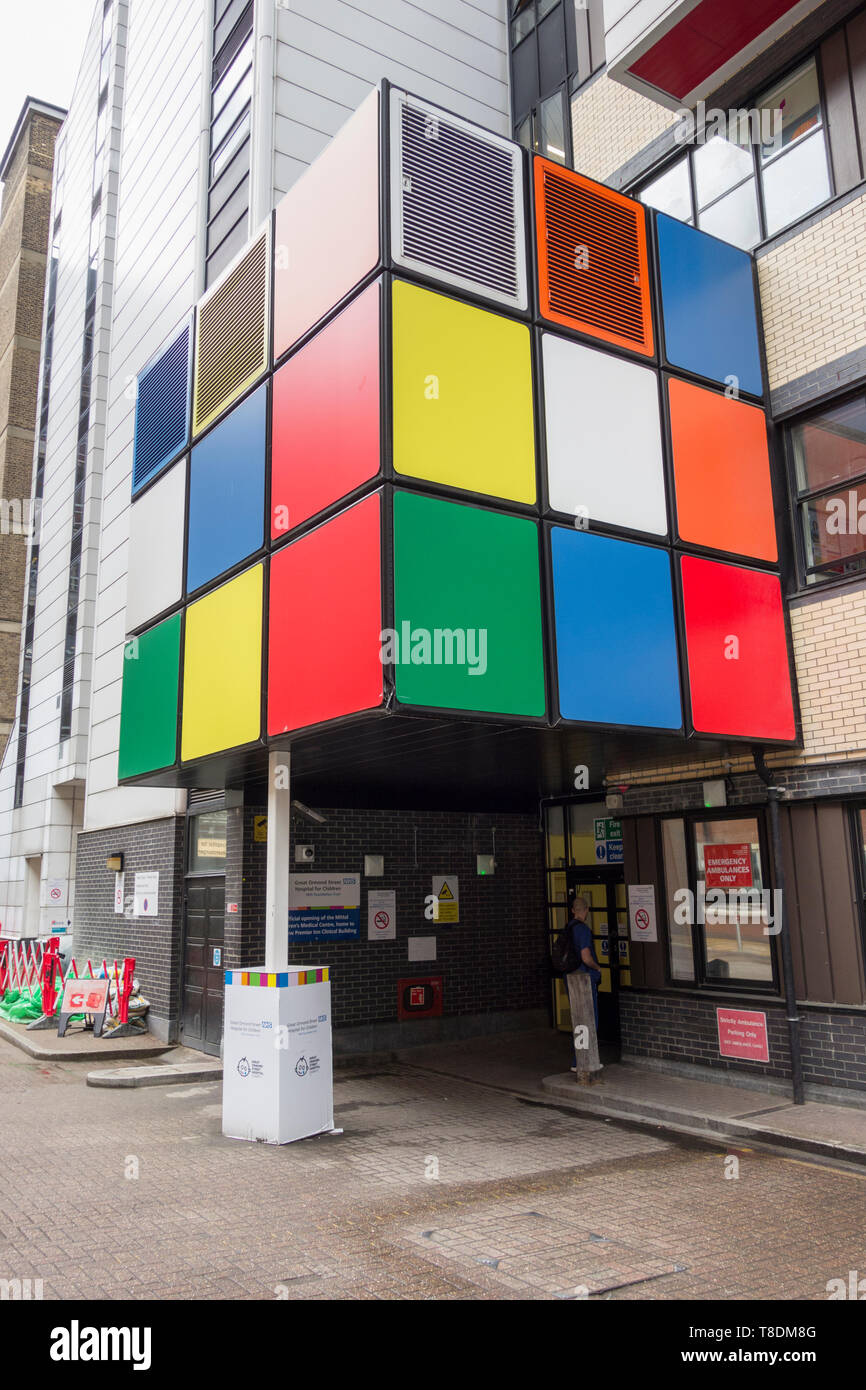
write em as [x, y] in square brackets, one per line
[581, 935]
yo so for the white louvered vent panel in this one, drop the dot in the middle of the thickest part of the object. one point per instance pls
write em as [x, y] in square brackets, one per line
[457, 200]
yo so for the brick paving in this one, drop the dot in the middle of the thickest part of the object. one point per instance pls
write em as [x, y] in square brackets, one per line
[439, 1188]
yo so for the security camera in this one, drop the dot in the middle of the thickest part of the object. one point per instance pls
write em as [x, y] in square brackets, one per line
[304, 854]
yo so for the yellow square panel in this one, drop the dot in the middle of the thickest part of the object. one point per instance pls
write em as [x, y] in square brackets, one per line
[462, 380]
[222, 668]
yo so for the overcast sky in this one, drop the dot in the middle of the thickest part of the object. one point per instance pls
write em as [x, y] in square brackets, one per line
[41, 43]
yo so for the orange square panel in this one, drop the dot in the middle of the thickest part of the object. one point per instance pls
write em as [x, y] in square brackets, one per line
[593, 270]
[722, 472]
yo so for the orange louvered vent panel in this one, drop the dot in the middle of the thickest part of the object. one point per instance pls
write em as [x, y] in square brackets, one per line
[593, 273]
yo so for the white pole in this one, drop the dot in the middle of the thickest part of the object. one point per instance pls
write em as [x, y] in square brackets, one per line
[277, 890]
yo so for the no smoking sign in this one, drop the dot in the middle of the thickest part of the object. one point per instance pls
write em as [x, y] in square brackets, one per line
[382, 916]
[642, 912]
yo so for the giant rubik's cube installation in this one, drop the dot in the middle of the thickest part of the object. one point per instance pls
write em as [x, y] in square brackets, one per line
[475, 401]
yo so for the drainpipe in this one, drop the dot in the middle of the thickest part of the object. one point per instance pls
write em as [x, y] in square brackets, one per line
[774, 796]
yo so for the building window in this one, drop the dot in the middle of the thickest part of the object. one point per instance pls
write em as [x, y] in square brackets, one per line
[543, 130]
[733, 942]
[828, 462]
[720, 918]
[555, 46]
[231, 109]
[681, 957]
[763, 173]
[207, 843]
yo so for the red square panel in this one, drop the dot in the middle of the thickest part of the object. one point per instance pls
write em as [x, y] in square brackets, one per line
[326, 416]
[737, 651]
[324, 622]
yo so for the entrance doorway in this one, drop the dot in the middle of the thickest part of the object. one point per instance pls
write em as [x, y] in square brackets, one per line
[201, 1023]
[604, 890]
[201, 1019]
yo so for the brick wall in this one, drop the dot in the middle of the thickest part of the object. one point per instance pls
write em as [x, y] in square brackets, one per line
[610, 124]
[153, 941]
[683, 1028]
[829, 640]
[813, 294]
[494, 961]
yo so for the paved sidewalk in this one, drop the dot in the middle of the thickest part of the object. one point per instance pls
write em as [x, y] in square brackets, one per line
[79, 1044]
[531, 1064]
[437, 1188]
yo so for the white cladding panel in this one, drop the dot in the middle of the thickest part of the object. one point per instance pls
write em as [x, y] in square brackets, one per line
[604, 443]
[329, 53]
[155, 578]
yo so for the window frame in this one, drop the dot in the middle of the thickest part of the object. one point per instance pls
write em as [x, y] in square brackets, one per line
[759, 165]
[799, 498]
[701, 980]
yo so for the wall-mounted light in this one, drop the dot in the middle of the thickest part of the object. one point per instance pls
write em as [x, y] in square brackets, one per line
[374, 865]
[485, 864]
[114, 863]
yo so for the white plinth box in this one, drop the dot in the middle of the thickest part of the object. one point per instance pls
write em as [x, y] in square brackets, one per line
[278, 1082]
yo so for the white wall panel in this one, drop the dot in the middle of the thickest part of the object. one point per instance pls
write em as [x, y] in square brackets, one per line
[155, 578]
[604, 441]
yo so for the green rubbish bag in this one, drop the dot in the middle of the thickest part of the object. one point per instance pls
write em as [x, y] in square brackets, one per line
[21, 1006]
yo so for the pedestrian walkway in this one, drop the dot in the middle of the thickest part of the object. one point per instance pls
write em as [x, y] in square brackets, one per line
[714, 1107]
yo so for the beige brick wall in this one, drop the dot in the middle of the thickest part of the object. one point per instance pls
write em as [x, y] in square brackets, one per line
[829, 640]
[813, 294]
[610, 124]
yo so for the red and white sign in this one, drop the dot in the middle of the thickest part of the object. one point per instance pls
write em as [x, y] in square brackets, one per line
[743, 1034]
[84, 997]
[728, 866]
[382, 915]
[642, 912]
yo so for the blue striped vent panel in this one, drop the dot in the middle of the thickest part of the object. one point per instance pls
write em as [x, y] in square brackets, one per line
[162, 411]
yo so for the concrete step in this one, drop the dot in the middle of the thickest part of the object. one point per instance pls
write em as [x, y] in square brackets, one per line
[162, 1074]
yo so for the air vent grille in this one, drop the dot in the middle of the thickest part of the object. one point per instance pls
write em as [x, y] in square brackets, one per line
[593, 271]
[161, 411]
[231, 335]
[459, 204]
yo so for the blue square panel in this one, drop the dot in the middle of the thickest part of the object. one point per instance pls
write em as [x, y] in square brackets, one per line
[227, 492]
[708, 306]
[616, 645]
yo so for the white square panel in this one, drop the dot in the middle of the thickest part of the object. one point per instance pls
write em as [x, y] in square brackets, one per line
[604, 438]
[156, 522]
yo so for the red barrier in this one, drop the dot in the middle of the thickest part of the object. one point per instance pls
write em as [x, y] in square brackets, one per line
[50, 969]
[20, 964]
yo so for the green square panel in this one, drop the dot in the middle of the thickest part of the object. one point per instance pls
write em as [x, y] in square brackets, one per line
[467, 601]
[148, 714]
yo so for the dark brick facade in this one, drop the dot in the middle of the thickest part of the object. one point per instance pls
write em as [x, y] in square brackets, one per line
[681, 1027]
[153, 941]
[494, 961]
[746, 789]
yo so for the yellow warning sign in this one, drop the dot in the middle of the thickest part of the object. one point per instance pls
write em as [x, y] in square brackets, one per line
[260, 829]
[446, 891]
